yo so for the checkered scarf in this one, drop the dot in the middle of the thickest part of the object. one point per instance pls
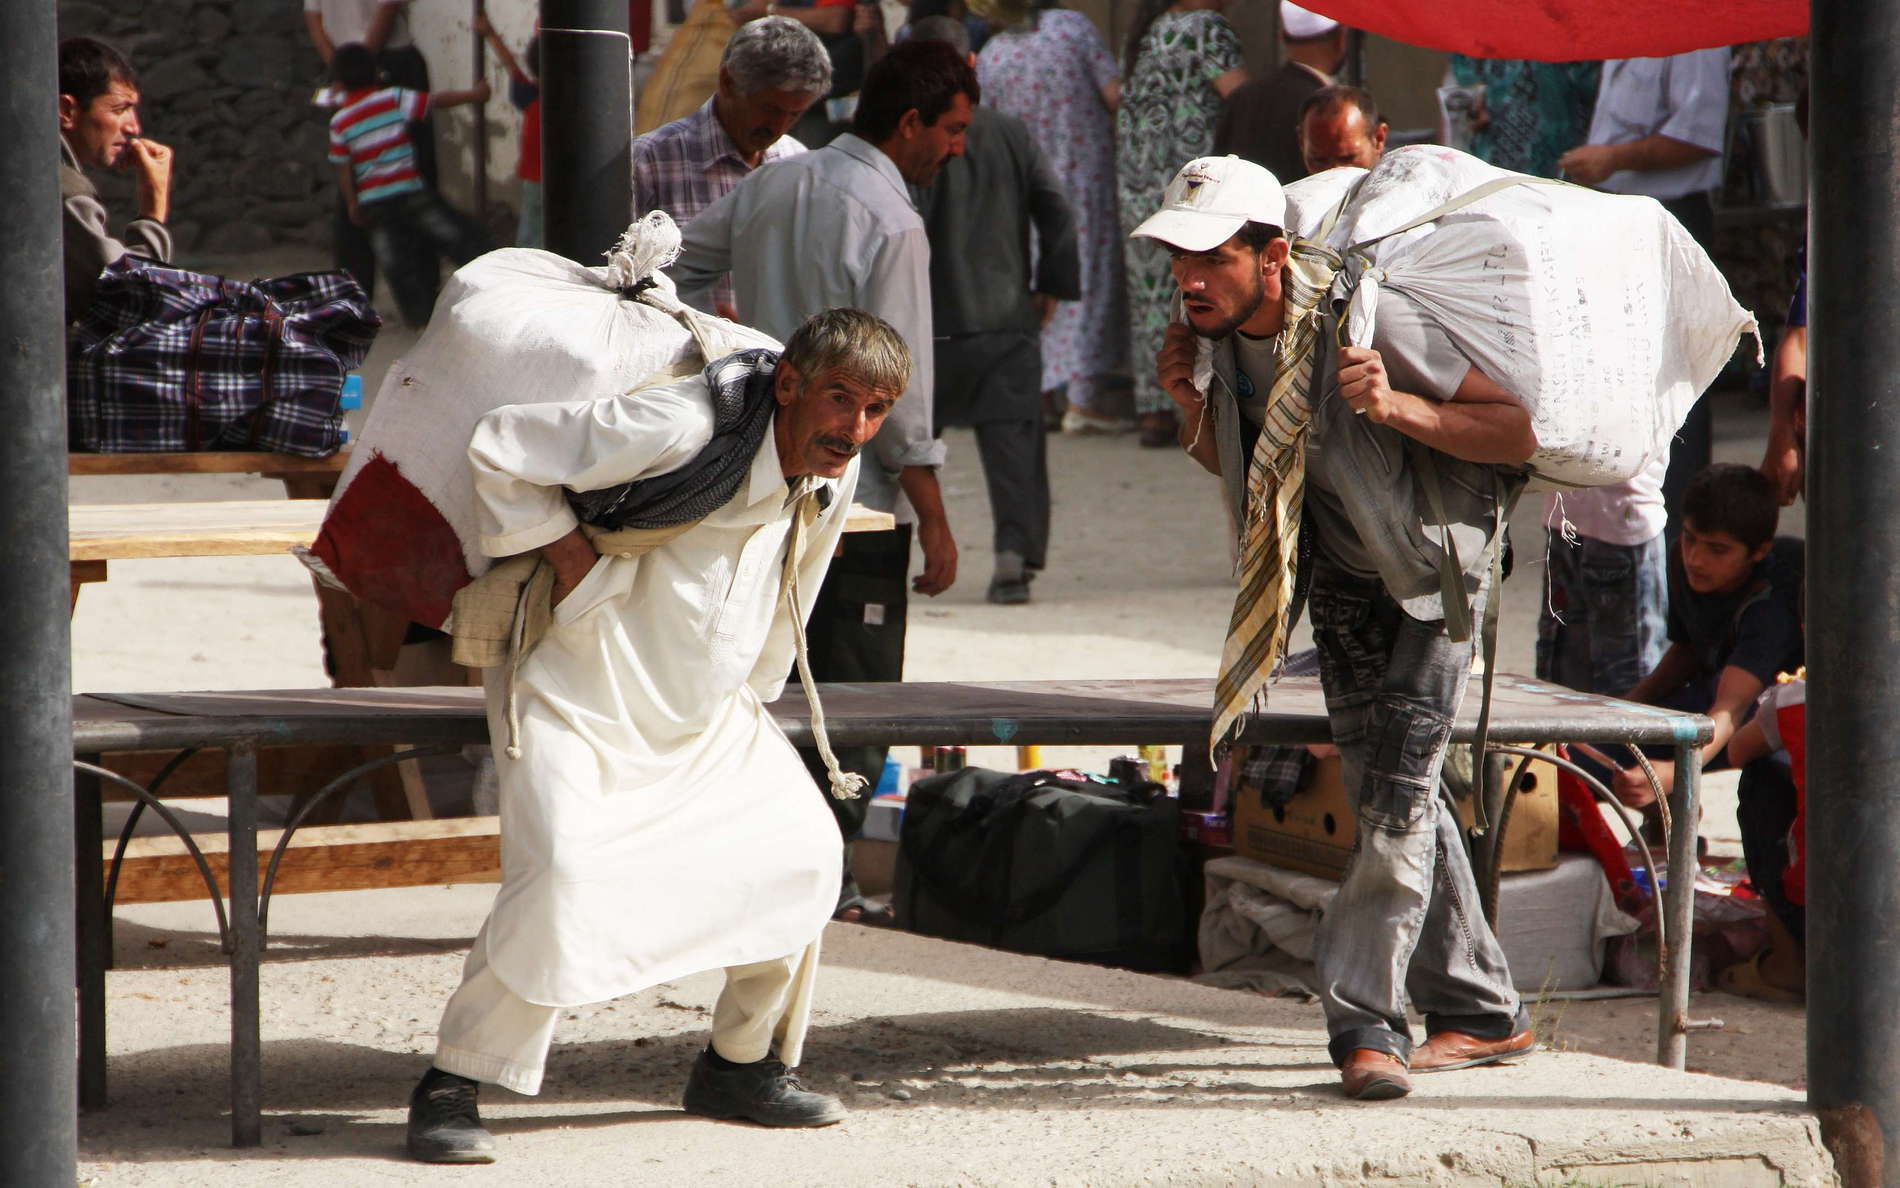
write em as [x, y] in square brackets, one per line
[1276, 489]
[741, 386]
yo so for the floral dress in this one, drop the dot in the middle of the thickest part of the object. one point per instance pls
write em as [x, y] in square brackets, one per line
[1169, 106]
[1049, 74]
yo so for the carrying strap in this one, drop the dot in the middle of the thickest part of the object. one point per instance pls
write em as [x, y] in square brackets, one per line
[1457, 607]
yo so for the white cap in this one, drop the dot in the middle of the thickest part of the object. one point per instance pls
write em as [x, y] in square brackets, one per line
[1298, 24]
[1210, 199]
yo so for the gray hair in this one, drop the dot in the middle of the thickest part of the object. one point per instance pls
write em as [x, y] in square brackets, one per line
[862, 345]
[777, 53]
[948, 30]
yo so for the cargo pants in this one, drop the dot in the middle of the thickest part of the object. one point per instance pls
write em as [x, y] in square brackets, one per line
[1406, 923]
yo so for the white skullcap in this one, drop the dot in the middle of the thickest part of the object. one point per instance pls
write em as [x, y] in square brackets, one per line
[1298, 24]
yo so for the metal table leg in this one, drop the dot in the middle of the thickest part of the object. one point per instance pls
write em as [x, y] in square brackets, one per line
[94, 935]
[1678, 908]
[247, 1065]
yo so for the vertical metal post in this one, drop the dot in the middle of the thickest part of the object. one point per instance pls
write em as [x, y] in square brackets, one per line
[38, 1110]
[95, 935]
[1854, 596]
[247, 1060]
[1678, 907]
[480, 143]
[586, 125]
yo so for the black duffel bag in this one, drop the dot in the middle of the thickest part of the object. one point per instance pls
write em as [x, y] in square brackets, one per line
[1035, 863]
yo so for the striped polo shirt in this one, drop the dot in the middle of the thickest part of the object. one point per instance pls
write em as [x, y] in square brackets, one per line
[371, 133]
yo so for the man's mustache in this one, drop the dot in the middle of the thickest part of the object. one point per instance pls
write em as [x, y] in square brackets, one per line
[843, 445]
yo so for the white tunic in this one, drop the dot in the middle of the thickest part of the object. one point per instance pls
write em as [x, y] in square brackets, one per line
[657, 823]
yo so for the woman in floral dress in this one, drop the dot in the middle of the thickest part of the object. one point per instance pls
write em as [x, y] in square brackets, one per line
[1182, 60]
[1052, 70]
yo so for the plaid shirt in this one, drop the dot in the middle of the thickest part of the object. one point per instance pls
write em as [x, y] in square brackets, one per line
[687, 165]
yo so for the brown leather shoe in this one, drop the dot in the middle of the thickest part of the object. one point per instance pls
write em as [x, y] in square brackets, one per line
[1454, 1049]
[1372, 1075]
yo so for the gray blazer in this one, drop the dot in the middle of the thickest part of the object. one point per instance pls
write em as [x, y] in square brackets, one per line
[89, 243]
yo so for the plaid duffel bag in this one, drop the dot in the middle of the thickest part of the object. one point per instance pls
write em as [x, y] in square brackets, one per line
[168, 360]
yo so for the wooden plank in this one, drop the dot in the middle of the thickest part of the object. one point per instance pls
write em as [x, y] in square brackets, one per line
[206, 462]
[237, 528]
[323, 858]
[289, 771]
[230, 528]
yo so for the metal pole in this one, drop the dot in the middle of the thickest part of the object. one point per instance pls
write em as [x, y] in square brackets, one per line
[1677, 922]
[1854, 610]
[586, 125]
[38, 1107]
[247, 1056]
[481, 125]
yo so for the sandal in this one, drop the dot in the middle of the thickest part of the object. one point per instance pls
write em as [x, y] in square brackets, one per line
[1158, 430]
[875, 915]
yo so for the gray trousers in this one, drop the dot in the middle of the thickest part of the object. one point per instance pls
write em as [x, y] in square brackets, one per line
[1406, 923]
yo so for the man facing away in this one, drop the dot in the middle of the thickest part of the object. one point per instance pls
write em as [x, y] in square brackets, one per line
[657, 822]
[1259, 120]
[837, 226]
[773, 70]
[989, 313]
[1405, 924]
[1340, 126]
[99, 127]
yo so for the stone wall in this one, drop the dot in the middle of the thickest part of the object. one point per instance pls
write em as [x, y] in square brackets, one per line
[227, 84]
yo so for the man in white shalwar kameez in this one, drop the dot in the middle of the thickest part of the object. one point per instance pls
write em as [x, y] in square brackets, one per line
[655, 822]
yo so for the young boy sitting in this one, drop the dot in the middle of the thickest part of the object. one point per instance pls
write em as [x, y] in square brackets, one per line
[410, 226]
[1734, 613]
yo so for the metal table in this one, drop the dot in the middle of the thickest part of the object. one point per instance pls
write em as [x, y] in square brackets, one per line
[1100, 712]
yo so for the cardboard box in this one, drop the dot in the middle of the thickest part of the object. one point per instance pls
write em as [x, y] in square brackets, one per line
[1315, 831]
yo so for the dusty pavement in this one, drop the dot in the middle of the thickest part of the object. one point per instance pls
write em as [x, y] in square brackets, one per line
[960, 1066]
[1138, 586]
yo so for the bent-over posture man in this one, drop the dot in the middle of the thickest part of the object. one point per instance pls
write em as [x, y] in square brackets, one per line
[1356, 428]
[99, 127]
[656, 821]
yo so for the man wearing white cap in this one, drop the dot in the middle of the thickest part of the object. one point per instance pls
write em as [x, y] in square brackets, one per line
[1345, 440]
[1261, 120]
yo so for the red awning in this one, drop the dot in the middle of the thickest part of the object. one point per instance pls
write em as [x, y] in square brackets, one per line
[1570, 30]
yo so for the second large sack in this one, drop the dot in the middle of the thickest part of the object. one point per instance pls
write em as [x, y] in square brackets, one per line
[1597, 311]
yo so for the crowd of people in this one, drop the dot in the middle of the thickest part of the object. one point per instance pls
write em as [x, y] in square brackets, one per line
[1020, 216]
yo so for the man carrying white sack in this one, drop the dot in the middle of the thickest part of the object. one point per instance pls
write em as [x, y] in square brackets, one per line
[1296, 429]
[656, 822]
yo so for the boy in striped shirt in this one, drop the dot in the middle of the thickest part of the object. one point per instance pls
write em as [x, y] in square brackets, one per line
[410, 226]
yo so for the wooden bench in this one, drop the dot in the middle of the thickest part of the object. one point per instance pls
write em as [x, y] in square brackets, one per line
[1085, 713]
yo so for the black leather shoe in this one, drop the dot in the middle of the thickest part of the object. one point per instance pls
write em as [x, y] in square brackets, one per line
[765, 1092]
[444, 1126]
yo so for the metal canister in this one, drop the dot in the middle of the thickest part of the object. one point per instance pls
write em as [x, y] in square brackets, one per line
[951, 758]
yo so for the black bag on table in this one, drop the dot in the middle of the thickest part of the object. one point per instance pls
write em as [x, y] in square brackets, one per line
[165, 360]
[1035, 863]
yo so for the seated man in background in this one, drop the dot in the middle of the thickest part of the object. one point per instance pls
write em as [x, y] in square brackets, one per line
[99, 126]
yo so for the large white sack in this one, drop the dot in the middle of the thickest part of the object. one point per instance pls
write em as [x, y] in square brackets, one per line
[515, 326]
[1597, 311]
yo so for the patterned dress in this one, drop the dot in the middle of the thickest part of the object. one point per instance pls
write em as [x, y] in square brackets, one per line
[1169, 106]
[1539, 110]
[1049, 73]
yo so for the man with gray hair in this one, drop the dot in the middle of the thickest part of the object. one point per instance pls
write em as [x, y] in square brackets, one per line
[773, 70]
[655, 820]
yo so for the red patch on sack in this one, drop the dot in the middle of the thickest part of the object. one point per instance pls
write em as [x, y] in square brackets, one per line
[388, 544]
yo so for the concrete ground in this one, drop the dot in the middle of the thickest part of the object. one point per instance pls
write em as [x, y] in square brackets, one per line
[960, 1065]
[1017, 1070]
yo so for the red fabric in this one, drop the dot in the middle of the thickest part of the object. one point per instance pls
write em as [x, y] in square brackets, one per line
[530, 167]
[1792, 720]
[1571, 30]
[387, 543]
[1582, 829]
[639, 29]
